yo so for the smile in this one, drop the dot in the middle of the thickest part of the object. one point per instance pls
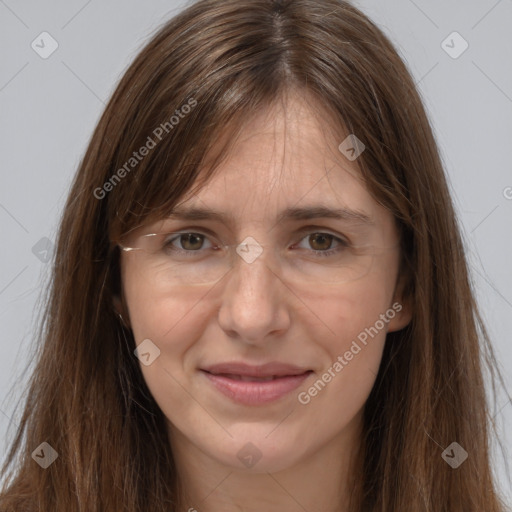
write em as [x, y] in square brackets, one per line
[255, 390]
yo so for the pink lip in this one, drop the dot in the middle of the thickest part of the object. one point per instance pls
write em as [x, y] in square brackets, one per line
[256, 392]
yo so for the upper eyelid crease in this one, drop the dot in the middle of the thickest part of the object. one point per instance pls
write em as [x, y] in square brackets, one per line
[339, 239]
[344, 233]
[206, 232]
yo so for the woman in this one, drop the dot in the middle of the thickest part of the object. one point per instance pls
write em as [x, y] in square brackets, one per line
[260, 297]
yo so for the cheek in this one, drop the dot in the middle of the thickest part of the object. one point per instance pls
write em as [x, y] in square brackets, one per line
[173, 324]
[359, 324]
[157, 314]
[353, 308]
[357, 316]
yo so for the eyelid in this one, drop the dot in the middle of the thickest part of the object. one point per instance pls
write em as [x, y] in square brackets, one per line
[322, 229]
[303, 231]
[173, 234]
[188, 229]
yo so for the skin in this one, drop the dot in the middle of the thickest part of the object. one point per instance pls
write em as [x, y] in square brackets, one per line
[284, 157]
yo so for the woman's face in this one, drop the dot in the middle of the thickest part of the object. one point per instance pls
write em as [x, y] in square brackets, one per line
[318, 322]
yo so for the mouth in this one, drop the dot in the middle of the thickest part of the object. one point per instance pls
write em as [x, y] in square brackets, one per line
[249, 378]
[253, 389]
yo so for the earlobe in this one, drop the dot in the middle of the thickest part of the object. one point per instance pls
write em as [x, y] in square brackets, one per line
[403, 315]
[401, 305]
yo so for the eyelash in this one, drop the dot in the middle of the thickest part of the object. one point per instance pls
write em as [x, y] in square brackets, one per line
[342, 243]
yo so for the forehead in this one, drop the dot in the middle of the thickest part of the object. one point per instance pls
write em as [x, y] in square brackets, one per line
[287, 157]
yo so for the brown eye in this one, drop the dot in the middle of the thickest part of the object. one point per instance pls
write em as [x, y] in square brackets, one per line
[191, 241]
[320, 241]
[182, 243]
[323, 244]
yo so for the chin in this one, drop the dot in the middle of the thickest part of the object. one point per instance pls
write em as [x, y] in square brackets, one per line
[257, 453]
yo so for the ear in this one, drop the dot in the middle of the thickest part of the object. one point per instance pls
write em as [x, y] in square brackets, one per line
[121, 309]
[402, 305]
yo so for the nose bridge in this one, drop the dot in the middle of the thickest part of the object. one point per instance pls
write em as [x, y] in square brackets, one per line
[250, 250]
[252, 265]
[252, 302]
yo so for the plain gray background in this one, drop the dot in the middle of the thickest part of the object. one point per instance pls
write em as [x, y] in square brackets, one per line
[49, 108]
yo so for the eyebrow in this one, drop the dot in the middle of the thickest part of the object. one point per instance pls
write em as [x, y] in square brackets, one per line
[291, 213]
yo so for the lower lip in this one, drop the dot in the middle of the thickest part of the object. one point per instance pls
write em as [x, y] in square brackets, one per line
[256, 393]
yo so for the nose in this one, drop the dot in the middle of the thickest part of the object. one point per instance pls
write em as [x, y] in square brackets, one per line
[255, 302]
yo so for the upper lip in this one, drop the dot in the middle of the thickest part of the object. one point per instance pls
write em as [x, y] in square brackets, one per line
[273, 369]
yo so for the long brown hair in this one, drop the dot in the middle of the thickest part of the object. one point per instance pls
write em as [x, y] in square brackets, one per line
[204, 73]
